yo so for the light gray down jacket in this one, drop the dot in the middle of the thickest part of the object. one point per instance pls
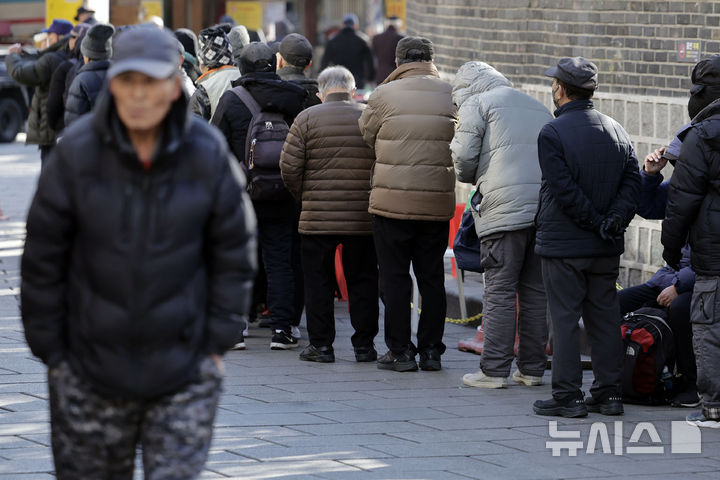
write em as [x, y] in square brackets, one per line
[495, 147]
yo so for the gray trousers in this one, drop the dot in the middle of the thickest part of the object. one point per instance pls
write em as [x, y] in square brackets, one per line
[584, 287]
[705, 318]
[514, 295]
[94, 437]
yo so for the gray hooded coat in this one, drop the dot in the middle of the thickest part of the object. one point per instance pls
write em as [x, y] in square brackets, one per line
[495, 147]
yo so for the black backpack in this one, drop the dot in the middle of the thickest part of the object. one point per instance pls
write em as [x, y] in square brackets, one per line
[263, 146]
[649, 346]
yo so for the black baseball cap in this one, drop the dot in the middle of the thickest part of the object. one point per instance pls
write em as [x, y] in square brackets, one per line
[146, 50]
[576, 71]
[82, 10]
[296, 50]
[706, 73]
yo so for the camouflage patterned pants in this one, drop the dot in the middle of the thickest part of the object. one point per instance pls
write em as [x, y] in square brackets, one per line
[94, 437]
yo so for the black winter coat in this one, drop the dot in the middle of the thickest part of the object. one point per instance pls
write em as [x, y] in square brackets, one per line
[350, 50]
[232, 117]
[57, 95]
[134, 275]
[694, 194]
[85, 89]
[297, 75]
[37, 72]
[589, 170]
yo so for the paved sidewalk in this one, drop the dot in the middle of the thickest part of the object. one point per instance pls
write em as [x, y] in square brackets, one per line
[281, 418]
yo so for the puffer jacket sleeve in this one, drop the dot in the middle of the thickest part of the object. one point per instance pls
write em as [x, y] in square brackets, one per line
[653, 196]
[468, 140]
[45, 260]
[626, 199]
[200, 103]
[561, 184]
[230, 240]
[292, 159]
[370, 121]
[55, 104]
[31, 72]
[688, 187]
[78, 102]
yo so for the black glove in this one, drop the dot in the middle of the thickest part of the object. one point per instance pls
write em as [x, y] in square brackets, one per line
[611, 227]
[672, 256]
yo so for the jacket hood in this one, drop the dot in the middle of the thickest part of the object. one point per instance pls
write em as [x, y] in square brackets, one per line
[707, 125]
[272, 93]
[412, 69]
[111, 130]
[476, 77]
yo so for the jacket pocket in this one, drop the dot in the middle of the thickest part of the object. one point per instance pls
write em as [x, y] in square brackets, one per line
[492, 251]
[705, 299]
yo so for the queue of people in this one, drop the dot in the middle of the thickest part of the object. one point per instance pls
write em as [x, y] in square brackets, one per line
[141, 254]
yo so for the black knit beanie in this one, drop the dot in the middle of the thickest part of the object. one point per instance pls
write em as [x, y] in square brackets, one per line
[97, 44]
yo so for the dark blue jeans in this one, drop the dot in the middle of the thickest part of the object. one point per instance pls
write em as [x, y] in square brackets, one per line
[276, 241]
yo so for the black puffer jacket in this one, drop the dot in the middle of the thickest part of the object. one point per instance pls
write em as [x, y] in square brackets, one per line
[135, 275]
[297, 75]
[37, 72]
[232, 117]
[694, 194]
[350, 50]
[589, 171]
[85, 89]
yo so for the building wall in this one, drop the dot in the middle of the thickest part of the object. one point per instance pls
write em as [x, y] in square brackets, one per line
[643, 81]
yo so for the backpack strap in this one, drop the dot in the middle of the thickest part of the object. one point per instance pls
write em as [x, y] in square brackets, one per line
[254, 107]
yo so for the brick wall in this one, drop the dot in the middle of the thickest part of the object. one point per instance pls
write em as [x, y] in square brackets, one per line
[643, 83]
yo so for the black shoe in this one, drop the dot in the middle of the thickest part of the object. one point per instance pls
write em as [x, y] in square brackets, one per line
[610, 404]
[687, 399]
[400, 362]
[283, 340]
[318, 354]
[365, 354]
[430, 360]
[570, 408]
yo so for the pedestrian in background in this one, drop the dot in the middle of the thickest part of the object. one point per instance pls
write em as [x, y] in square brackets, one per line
[294, 59]
[383, 47]
[349, 49]
[409, 122]
[36, 71]
[136, 273]
[218, 71]
[495, 148]
[96, 48]
[588, 197]
[326, 164]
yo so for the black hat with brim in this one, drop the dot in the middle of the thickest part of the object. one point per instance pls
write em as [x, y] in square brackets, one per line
[576, 71]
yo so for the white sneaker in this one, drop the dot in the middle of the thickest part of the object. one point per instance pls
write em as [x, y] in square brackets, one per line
[295, 332]
[527, 380]
[239, 346]
[246, 332]
[480, 380]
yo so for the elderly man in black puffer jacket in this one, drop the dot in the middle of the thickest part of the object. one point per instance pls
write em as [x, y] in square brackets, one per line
[694, 210]
[136, 273]
[588, 195]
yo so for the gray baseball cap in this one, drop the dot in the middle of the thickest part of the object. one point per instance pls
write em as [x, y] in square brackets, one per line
[296, 50]
[576, 71]
[146, 50]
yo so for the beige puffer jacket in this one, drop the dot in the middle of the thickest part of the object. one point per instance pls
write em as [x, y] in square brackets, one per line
[326, 163]
[410, 121]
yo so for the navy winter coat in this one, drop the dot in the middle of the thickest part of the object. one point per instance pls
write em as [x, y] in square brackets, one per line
[589, 171]
[85, 89]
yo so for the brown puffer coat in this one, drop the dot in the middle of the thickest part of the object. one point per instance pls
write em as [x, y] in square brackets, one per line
[410, 121]
[327, 165]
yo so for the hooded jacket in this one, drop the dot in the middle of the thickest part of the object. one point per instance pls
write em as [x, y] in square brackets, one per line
[409, 122]
[495, 147]
[37, 72]
[694, 194]
[85, 89]
[210, 87]
[326, 164]
[134, 275]
[589, 171]
[233, 119]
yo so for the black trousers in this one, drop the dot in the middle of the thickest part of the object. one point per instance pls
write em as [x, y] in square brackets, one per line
[398, 244]
[584, 287]
[640, 296]
[361, 275]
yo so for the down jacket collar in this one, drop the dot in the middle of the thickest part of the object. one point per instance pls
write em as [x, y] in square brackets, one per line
[112, 132]
[412, 69]
[707, 125]
[476, 77]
